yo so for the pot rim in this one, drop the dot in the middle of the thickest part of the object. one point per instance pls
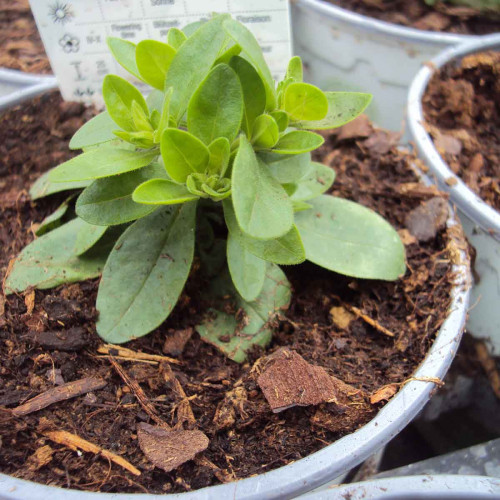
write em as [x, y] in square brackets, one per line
[426, 486]
[466, 200]
[367, 23]
[320, 467]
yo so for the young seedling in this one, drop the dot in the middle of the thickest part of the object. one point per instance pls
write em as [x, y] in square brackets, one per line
[216, 149]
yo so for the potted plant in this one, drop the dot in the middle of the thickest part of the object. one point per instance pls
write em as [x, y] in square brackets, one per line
[480, 218]
[217, 160]
[345, 49]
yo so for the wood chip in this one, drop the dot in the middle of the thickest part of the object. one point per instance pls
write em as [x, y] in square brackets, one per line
[371, 321]
[75, 442]
[341, 317]
[176, 341]
[169, 449]
[40, 458]
[425, 221]
[72, 339]
[29, 301]
[288, 380]
[184, 410]
[384, 393]
[117, 351]
[57, 394]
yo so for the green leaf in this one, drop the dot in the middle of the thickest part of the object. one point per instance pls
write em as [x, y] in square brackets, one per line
[262, 207]
[228, 54]
[145, 273]
[265, 132]
[153, 60]
[281, 119]
[294, 70]
[235, 338]
[124, 53]
[303, 101]
[54, 220]
[87, 237]
[286, 250]
[216, 108]
[298, 141]
[108, 201]
[317, 181]
[175, 38]
[43, 186]
[343, 107]
[165, 115]
[141, 120]
[192, 63]
[299, 206]
[254, 92]
[50, 261]
[183, 154]
[162, 192]
[155, 100]
[251, 48]
[350, 239]
[96, 131]
[118, 95]
[287, 168]
[219, 156]
[248, 272]
[101, 162]
[190, 28]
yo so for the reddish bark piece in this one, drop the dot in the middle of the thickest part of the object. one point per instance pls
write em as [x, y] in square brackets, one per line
[61, 393]
[169, 449]
[176, 341]
[384, 393]
[288, 380]
[426, 220]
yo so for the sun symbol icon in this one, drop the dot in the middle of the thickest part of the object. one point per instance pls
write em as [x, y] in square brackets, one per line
[60, 12]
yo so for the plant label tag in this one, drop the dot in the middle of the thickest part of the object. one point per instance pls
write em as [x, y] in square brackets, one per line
[74, 33]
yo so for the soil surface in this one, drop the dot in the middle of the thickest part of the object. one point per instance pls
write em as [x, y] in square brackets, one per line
[335, 326]
[417, 14]
[462, 112]
[20, 44]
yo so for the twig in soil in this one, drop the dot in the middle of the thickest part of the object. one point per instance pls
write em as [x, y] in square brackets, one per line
[489, 366]
[75, 442]
[370, 321]
[184, 410]
[123, 352]
[57, 394]
[139, 394]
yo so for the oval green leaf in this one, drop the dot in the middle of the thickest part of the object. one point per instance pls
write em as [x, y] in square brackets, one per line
[153, 60]
[145, 273]
[87, 237]
[350, 239]
[175, 38]
[96, 131]
[220, 151]
[294, 70]
[265, 132]
[287, 168]
[303, 101]
[124, 53]
[162, 192]
[297, 142]
[317, 181]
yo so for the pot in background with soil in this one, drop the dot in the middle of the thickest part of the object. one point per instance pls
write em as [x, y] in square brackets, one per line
[349, 51]
[341, 325]
[481, 219]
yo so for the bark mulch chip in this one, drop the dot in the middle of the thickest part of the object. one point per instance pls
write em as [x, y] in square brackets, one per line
[383, 338]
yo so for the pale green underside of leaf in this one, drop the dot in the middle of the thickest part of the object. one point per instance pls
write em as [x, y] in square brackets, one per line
[286, 250]
[343, 107]
[317, 181]
[255, 328]
[43, 186]
[50, 261]
[262, 207]
[248, 272]
[145, 273]
[350, 239]
[102, 162]
[96, 131]
[109, 201]
[287, 168]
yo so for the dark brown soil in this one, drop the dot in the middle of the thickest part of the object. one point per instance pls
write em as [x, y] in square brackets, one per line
[20, 44]
[462, 111]
[417, 14]
[246, 437]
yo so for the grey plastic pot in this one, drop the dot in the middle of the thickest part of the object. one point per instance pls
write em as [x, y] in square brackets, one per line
[415, 487]
[17, 86]
[480, 221]
[347, 51]
[334, 460]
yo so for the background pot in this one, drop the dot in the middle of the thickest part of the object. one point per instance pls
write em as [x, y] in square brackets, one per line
[347, 51]
[334, 460]
[480, 221]
[412, 487]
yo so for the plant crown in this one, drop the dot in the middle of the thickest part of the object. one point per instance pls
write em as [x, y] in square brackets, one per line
[216, 155]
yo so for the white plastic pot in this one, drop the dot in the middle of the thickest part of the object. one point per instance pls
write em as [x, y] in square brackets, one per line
[415, 487]
[332, 461]
[347, 51]
[480, 221]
